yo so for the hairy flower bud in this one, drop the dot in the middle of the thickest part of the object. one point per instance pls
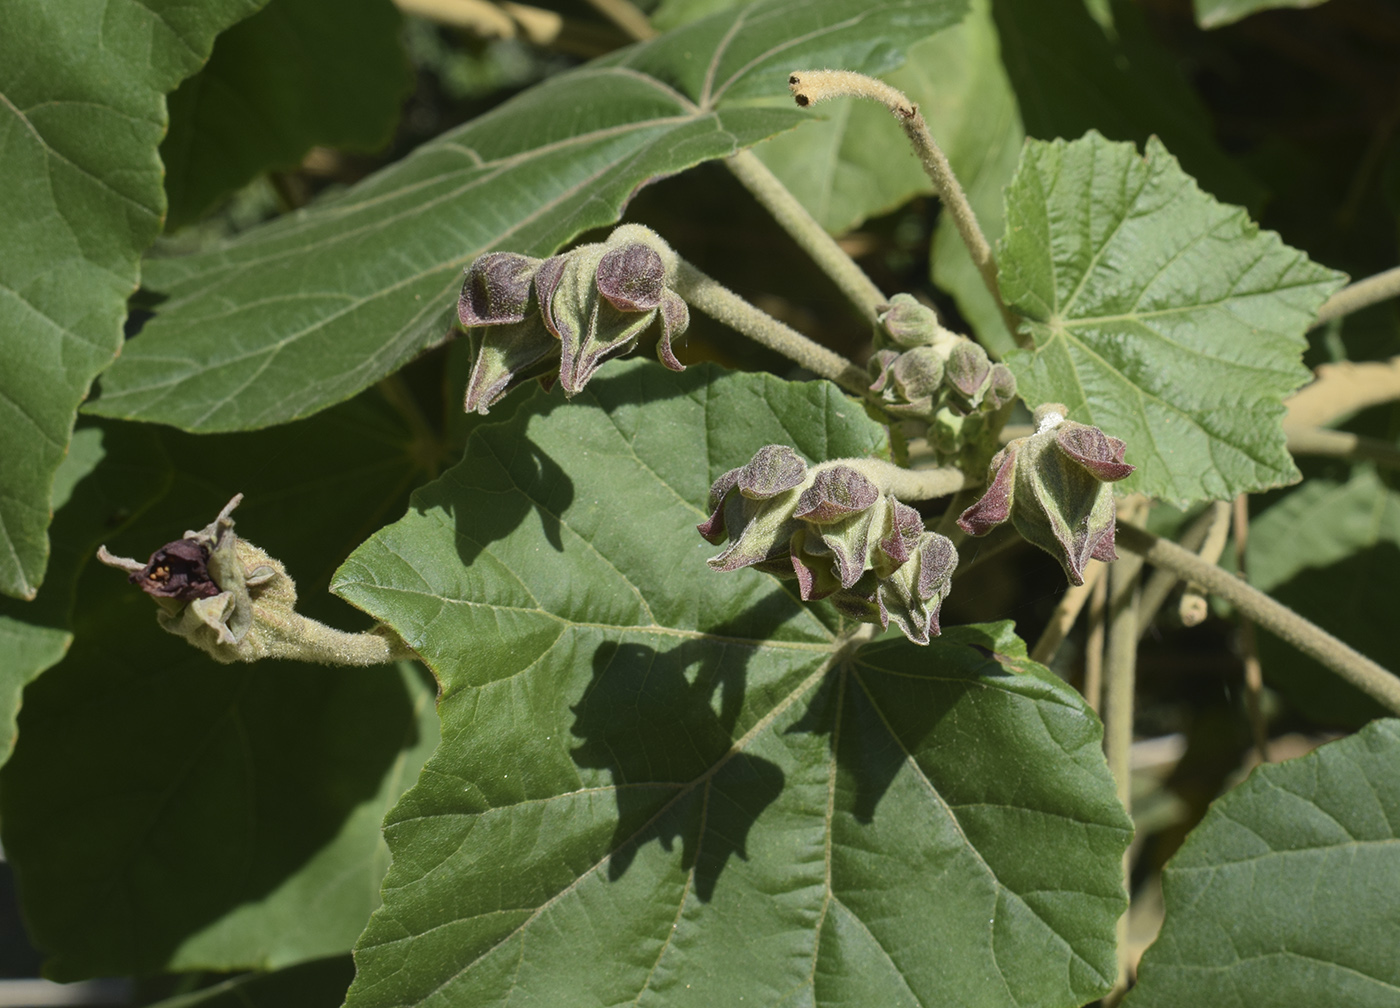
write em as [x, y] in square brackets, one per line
[834, 529]
[922, 371]
[564, 316]
[1054, 487]
[230, 599]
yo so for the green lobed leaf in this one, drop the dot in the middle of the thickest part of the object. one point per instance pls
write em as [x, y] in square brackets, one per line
[1284, 894]
[662, 785]
[296, 74]
[309, 309]
[82, 110]
[161, 811]
[1218, 13]
[1158, 314]
[1330, 550]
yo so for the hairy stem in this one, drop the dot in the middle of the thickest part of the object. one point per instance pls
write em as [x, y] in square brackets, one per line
[627, 16]
[812, 86]
[1193, 607]
[1342, 444]
[1278, 619]
[299, 638]
[1120, 661]
[723, 305]
[1162, 581]
[1066, 613]
[1362, 294]
[909, 484]
[1249, 645]
[1094, 646]
[793, 217]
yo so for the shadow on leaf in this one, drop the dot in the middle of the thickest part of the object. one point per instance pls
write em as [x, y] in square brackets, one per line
[649, 717]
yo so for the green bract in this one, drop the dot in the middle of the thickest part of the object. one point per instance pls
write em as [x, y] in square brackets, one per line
[835, 531]
[1054, 487]
[562, 317]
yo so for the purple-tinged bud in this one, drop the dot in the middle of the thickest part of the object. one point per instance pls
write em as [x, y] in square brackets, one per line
[566, 315]
[969, 371]
[907, 323]
[1054, 487]
[497, 289]
[837, 532]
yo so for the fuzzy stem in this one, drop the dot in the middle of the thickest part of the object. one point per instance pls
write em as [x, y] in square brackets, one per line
[812, 86]
[1342, 444]
[1312, 640]
[300, 638]
[1362, 294]
[907, 484]
[1065, 614]
[723, 305]
[1193, 607]
[794, 218]
[1093, 646]
[1120, 661]
[626, 16]
[1162, 581]
[1249, 644]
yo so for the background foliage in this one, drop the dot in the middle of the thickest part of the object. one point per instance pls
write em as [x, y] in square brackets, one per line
[642, 781]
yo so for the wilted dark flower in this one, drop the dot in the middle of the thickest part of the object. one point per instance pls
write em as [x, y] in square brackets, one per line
[230, 599]
[564, 316]
[833, 529]
[1054, 487]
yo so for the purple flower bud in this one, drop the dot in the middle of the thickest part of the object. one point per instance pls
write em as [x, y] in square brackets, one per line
[1054, 486]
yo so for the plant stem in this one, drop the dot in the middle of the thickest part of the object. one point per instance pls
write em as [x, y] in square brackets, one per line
[626, 16]
[1065, 614]
[1362, 294]
[1341, 389]
[723, 305]
[1093, 646]
[1249, 645]
[794, 218]
[299, 638]
[1342, 444]
[1162, 581]
[1278, 619]
[812, 86]
[1193, 607]
[909, 484]
[1120, 661]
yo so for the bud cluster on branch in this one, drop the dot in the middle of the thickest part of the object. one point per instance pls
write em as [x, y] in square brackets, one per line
[838, 533]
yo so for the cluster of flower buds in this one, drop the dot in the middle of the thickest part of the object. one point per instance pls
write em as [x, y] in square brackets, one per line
[924, 372]
[1054, 487]
[838, 533]
[564, 316]
[230, 599]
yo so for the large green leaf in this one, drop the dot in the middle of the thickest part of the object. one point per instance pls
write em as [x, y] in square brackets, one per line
[1284, 895]
[82, 109]
[1164, 317]
[1331, 551]
[1217, 13]
[307, 310]
[100, 484]
[163, 811]
[662, 785]
[297, 73]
